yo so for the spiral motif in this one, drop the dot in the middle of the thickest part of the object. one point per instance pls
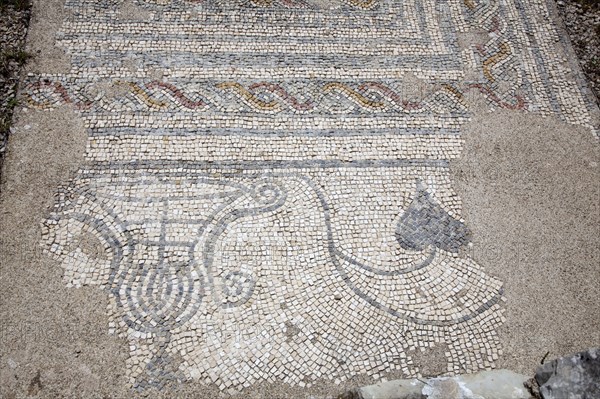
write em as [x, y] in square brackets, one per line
[266, 193]
[237, 288]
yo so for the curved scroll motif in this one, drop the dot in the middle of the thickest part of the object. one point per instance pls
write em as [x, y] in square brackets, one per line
[77, 222]
[416, 306]
[233, 288]
[159, 279]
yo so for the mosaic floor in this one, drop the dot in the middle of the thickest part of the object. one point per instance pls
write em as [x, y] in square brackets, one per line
[266, 192]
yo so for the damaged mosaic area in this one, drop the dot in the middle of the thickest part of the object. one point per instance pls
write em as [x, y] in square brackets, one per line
[266, 192]
[291, 276]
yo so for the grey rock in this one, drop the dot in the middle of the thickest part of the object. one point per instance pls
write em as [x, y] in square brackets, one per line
[573, 377]
[497, 384]
[397, 389]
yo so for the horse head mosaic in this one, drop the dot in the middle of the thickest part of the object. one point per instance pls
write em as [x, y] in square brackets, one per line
[277, 207]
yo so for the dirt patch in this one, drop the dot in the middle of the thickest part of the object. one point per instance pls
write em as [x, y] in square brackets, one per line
[431, 362]
[46, 20]
[531, 193]
[35, 385]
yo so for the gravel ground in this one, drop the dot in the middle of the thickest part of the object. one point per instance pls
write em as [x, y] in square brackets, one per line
[582, 19]
[13, 29]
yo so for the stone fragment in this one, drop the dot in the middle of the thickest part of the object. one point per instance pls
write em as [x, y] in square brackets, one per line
[497, 384]
[575, 377]
[397, 389]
